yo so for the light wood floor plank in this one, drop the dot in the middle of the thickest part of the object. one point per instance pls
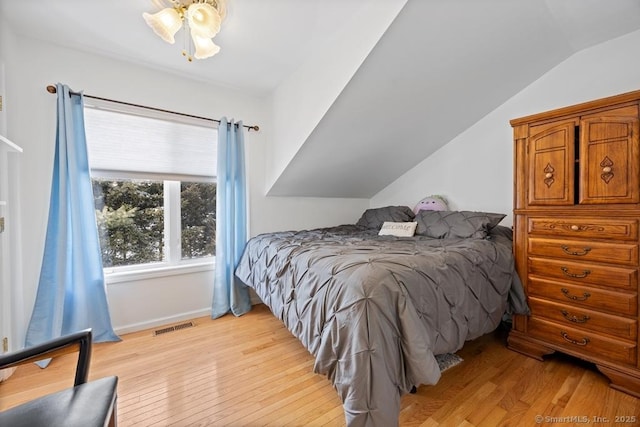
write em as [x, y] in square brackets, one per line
[250, 371]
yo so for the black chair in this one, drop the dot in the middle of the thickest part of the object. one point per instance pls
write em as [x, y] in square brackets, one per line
[86, 404]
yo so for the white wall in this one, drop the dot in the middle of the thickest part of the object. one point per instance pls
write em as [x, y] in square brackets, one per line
[475, 170]
[300, 102]
[32, 65]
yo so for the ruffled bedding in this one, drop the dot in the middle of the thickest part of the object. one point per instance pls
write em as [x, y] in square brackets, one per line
[374, 310]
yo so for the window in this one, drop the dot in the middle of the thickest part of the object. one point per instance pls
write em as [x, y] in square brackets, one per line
[154, 183]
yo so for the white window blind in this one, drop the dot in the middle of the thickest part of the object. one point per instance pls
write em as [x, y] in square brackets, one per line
[125, 140]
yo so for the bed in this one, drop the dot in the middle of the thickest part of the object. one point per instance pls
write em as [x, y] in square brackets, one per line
[374, 310]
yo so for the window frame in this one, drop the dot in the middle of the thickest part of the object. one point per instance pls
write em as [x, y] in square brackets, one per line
[173, 264]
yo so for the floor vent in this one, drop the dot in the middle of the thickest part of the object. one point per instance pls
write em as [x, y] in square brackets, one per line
[173, 328]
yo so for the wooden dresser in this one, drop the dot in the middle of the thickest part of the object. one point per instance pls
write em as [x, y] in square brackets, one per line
[576, 234]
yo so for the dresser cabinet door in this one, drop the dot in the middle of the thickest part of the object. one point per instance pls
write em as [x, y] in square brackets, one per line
[609, 157]
[551, 165]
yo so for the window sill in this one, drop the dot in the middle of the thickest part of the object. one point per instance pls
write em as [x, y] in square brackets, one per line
[157, 271]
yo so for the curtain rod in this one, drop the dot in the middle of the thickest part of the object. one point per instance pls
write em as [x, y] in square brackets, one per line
[52, 89]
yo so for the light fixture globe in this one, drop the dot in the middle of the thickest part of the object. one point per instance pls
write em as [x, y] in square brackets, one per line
[221, 7]
[203, 19]
[165, 23]
[205, 47]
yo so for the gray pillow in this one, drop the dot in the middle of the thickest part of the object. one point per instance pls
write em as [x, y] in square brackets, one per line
[456, 224]
[374, 218]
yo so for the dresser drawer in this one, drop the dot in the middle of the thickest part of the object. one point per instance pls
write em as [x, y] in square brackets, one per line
[573, 316]
[595, 274]
[619, 229]
[581, 250]
[587, 344]
[624, 303]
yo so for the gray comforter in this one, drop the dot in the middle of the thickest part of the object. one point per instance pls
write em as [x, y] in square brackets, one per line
[374, 310]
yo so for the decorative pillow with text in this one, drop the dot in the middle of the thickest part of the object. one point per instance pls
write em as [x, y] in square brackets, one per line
[400, 229]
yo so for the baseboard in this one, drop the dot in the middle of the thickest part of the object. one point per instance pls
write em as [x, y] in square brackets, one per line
[141, 326]
[135, 327]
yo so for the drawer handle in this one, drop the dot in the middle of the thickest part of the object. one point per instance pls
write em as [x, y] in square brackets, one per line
[575, 319]
[582, 275]
[584, 341]
[585, 251]
[584, 296]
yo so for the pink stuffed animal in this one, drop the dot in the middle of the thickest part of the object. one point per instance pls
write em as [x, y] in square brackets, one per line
[431, 203]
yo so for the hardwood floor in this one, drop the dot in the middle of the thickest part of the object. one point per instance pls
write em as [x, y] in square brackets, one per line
[250, 371]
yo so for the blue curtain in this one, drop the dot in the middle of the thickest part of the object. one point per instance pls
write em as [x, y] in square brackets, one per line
[229, 293]
[71, 292]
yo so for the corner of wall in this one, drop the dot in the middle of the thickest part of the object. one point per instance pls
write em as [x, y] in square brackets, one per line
[301, 101]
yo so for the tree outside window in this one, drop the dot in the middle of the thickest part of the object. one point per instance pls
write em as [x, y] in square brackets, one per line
[198, 215]
[131, 219]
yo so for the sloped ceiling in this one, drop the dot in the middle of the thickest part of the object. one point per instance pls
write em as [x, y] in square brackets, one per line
[440, 67]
